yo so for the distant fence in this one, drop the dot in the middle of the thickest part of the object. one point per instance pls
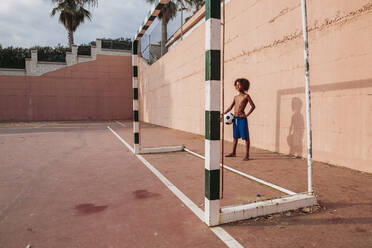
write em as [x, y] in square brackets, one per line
[84, 50]
[49, 54]
[117, 44]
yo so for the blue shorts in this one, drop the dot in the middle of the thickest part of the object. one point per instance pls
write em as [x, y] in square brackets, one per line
[240, 128]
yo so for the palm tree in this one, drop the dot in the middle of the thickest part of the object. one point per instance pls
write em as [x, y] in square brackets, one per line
[72, 14]
[92, 3]
[196, 4]
[169, 11]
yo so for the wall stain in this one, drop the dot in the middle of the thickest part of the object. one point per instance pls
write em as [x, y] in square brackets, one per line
[326, 23]
[283, 12]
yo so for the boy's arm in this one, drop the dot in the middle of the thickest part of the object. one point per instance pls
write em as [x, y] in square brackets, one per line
[230, 107]
[253, 106]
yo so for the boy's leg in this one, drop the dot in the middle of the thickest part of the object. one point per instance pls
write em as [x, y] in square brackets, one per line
[236, 136]
[235, 143]
[247, 144]
[245, 136]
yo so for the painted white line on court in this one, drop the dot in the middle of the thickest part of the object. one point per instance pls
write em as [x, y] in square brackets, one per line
[218, 231]
[24, 134]
[194, 208]
[123, 141]
[248, 176]
[59, 127]
[38, 127]
[226, 237]
[121, 124]
[194, 153]
[173, 188]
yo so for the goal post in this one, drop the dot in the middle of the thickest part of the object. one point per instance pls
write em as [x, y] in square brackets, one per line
[214, 214]
[153, 13]
[135, 96]
[212, 110]
[212, 102]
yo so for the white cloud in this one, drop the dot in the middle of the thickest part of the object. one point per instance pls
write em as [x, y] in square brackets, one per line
[27, 23]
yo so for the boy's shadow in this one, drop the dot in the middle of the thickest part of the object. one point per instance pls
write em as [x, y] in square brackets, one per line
[297, 129]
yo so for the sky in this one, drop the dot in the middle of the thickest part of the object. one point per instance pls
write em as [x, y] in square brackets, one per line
[26, 23]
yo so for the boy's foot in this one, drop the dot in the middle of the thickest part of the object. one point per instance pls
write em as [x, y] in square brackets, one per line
[230, 155]
[246, 159]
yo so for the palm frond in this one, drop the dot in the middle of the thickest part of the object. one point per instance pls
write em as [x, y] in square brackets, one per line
[72, 13]
[92, 3]
[169, 11]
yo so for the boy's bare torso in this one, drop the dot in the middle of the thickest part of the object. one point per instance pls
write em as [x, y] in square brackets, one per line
[241, 101]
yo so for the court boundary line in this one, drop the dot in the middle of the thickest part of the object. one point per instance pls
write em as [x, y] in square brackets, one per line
[276, 187]
[24, 134]
[121, 124]
[218, 231]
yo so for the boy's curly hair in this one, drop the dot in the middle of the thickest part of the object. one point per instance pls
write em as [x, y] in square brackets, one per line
[244, 82]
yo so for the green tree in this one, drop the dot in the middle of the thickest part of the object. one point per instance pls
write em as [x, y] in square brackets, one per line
[13, 57]
[72, 13]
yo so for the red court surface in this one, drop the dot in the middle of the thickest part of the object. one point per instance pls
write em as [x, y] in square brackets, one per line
[74, 184]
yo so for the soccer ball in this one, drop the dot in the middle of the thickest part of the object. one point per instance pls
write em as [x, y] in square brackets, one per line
[228, 118]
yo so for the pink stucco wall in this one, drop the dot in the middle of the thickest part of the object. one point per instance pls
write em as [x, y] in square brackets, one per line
[264, 43]
[95, 90]
[172, 89]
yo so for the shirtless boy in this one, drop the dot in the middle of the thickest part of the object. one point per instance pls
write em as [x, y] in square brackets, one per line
[240, 124]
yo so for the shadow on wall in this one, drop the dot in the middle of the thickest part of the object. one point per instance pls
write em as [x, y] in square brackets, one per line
[297, 129]
[298, 120]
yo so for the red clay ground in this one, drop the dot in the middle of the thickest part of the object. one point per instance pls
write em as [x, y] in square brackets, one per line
[75, 185]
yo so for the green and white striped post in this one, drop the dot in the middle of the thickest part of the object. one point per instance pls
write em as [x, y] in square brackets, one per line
[153, 13]
[135, 96]
[212, 110]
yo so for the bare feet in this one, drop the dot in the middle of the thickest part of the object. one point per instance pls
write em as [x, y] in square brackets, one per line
[246, 158]
[230, 155]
